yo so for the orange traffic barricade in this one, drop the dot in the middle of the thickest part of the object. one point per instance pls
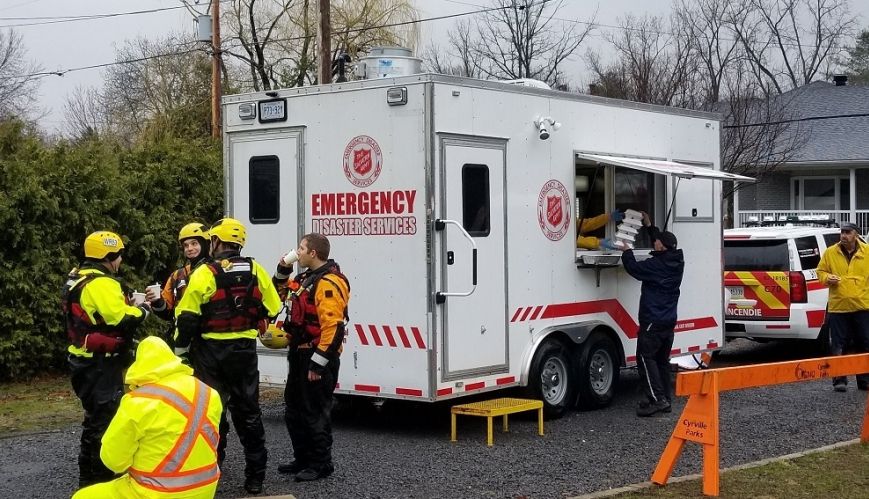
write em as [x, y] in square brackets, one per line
[699, 420]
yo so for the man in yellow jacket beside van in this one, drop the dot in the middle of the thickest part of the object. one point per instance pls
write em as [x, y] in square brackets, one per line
[844, 269]
[164, 435]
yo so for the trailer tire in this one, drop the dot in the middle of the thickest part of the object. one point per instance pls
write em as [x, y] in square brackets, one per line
[597, 372]
[552, 378]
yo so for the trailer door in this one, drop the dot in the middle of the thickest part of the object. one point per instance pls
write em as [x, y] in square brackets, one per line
[472, 317]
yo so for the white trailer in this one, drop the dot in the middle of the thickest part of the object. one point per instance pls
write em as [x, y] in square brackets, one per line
[452, 204]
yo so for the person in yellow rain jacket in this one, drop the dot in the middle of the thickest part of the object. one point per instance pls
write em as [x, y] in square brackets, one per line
[228, 301]
[592, 224]
[164, 436]
[193, 239]
[844, 268]
[100, 323]
[316, 327]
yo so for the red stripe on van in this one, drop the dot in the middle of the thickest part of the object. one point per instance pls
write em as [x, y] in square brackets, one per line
[413, 392]
[814, 285]
[816, 318]
[631, 358]
[778, 326]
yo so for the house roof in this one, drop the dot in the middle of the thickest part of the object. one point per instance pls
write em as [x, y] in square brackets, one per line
[834, 139]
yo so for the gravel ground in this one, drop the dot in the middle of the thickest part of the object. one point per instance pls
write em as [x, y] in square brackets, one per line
[403, 450]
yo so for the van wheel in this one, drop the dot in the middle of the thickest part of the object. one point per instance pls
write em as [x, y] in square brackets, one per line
[598, 372]
[552, 379]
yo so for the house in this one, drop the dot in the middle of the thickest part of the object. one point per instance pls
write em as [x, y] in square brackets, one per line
[829, 174]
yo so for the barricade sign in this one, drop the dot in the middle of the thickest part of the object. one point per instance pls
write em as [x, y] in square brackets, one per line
[699, 420]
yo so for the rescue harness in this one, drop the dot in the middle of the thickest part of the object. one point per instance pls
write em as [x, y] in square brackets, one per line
[303, 323]
[96, 337]
[237, 304]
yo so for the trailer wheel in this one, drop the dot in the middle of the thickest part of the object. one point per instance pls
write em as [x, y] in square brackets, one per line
[552, 379]
[598, 372]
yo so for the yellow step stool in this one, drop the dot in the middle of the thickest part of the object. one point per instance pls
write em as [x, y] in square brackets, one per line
[496, 407]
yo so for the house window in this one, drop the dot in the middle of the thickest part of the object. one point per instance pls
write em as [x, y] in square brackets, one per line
[475, 200]
[820, 193]
[264, 193]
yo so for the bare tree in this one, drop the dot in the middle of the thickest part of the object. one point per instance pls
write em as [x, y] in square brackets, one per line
[18, 83]
[459, 58]
[526, 40]
[254, 26]
[791, 42]
[704, 25]
[85, 114]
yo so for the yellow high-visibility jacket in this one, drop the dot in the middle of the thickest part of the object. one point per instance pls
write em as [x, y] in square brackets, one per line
[590, 225]
[103, 299]
[201, 287]
[852, 292]
[165, 433]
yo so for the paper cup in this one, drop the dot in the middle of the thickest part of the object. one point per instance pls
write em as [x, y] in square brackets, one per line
[291, 258]
[138, 298]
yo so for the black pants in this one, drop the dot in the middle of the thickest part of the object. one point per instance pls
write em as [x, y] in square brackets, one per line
[230, 367]
[99, 383]
[654, 342]
[849, 329]
[308, 412]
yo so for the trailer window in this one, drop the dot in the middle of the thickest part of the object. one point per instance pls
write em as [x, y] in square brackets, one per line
[475, 199]
[264, 189]
[635, 190]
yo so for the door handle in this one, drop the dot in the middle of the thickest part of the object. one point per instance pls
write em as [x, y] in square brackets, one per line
[439, 225]
[451, 258]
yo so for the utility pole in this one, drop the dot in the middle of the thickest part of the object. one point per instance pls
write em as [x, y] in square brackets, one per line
[215, 68]
[325, 55]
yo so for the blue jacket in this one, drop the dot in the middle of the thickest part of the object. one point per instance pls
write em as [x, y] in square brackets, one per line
[661, 276]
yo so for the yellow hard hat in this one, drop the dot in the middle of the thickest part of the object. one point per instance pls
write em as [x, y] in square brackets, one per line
[274, 337]
[193, 229]
[102, 243]
[229, 230]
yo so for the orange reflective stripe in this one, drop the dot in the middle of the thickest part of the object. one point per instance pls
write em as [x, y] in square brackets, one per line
[167, 476]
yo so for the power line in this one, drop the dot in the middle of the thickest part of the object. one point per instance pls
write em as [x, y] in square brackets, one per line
[43, 20]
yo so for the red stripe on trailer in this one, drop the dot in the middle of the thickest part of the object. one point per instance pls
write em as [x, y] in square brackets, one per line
[816, 317]
[516, 314]
[373, 329]
[631, 358]
[403, 336]
[337, 385]
[418, 337]
[389, 337]
[445, 391]
[712, 344]
[693, 324]
[475, 386]
[778, 326]
[367, 388]
[505, 381]
[361, 333]
[694, 349]
[525, 315]
[536, 312]
[413, 392]
[611, 307]
[675, 351]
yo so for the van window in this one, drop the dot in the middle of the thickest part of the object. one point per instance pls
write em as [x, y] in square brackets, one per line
[756, 255]
[831, 239]
[807, 249]
[264, 189]
[475, 199]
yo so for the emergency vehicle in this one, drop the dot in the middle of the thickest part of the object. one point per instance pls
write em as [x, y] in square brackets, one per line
[452, 205]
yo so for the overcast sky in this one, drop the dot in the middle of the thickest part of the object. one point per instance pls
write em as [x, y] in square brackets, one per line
[67, 45]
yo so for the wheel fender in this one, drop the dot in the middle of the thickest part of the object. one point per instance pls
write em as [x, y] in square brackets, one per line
[576, 333]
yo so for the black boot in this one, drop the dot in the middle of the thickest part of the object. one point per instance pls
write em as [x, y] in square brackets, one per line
[253, 485]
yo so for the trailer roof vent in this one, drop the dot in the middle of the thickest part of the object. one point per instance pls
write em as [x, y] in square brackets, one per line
[388, 62]
[528, 82]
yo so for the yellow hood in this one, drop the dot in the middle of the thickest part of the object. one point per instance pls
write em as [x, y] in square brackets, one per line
[154, 361]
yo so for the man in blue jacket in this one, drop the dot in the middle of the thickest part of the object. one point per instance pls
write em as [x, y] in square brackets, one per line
[661, 275]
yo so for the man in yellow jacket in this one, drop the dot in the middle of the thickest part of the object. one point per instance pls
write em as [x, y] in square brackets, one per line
[228, 300]
[100, 323]
[844, 268]
[164, 436]
[587, 225]
[316, 327]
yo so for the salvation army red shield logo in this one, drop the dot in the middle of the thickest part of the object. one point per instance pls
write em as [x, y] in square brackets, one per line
[362, 161]
[553, 210]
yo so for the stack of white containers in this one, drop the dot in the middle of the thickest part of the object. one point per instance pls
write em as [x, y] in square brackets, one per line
[627, 231]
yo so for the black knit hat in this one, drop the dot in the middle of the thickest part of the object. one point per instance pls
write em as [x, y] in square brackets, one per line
[668, 239]
[849, 226]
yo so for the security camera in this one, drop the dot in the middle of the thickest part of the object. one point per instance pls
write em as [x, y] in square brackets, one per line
[544, 125]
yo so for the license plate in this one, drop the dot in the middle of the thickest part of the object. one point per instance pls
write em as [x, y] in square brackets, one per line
[735, 291]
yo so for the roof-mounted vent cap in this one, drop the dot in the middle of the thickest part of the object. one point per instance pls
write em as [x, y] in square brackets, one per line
[840, 80]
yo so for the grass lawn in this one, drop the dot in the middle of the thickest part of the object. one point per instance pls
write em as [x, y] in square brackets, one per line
[41, 404]
[840, 473]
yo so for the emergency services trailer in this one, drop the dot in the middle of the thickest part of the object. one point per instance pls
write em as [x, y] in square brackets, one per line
[452, 205]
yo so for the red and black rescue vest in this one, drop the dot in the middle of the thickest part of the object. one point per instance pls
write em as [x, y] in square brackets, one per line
[303, 319]
[237, 304]
[78, 324]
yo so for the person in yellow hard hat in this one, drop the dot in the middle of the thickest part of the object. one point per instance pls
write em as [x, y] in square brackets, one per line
[100, 323]
[164, 435]
[228, 301]
[193, 239]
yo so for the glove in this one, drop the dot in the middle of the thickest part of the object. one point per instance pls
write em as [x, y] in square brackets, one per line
[617, 216]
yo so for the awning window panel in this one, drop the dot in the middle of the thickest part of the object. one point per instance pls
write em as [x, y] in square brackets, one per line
[660, 167]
